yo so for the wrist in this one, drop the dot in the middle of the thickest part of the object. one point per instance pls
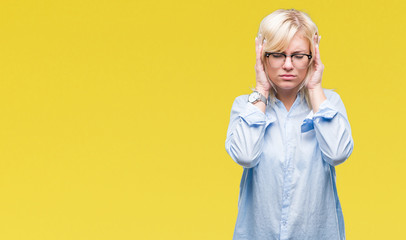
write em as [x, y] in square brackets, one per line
[315, 89]
[265, 93]
[258, 99]
[316, 96]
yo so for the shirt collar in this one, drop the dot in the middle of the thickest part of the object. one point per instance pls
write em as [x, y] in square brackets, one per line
[298, 98]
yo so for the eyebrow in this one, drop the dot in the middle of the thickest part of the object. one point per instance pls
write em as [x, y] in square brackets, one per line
[298, 51]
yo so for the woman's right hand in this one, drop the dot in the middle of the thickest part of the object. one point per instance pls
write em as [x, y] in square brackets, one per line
[263, 86]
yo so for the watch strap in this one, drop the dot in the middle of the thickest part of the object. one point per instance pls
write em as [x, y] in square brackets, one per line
[263, 98]
[260, 97]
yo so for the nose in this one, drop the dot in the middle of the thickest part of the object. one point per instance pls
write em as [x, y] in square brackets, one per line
[287, 65]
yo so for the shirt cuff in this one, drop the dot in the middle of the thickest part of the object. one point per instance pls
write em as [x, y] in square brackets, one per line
[326, 112]
[254, 116]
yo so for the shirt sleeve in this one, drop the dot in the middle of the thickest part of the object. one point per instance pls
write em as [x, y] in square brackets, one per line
[332, 128]
[246, 132]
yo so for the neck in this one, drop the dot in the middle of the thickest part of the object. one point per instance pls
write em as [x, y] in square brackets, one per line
[287, 97]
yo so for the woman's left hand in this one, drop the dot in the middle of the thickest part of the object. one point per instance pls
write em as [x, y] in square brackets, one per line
[318, 67]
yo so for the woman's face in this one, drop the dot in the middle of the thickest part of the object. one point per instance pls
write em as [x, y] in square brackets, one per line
[287, 77]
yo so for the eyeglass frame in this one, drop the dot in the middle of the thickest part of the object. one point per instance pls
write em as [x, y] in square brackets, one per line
[309, 56]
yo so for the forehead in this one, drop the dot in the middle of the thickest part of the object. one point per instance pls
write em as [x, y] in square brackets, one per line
[298, 43]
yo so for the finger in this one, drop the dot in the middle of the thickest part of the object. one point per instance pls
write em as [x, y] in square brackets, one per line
[317, 59]
[260, 40]
[316, 54]
[256, 46]
[258, 51]
[318, 49]
[261, 52]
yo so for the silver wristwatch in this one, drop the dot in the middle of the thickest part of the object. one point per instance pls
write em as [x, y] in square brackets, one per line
[256, 96]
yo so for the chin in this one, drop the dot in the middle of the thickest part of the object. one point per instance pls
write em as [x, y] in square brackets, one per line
[288, 86]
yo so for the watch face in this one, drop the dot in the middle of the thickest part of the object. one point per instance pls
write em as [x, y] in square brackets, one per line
[253, 97]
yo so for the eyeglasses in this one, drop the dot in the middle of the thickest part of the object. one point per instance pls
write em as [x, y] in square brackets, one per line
[299, 60]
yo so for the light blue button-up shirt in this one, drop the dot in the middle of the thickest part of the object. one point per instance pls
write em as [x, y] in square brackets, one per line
[288, 187]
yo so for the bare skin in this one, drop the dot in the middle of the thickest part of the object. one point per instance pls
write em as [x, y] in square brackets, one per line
[287, 90]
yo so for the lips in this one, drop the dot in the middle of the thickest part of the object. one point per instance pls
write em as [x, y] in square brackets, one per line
[287, 76]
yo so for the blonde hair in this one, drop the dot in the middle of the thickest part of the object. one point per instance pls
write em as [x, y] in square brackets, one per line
[278, 29]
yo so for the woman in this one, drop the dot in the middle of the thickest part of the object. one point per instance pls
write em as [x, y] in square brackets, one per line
[289, 134]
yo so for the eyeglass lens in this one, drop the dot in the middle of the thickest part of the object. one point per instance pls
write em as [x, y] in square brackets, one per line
[300, 61]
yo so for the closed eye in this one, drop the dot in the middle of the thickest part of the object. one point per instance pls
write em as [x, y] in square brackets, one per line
[298, 56]
[276, 55]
